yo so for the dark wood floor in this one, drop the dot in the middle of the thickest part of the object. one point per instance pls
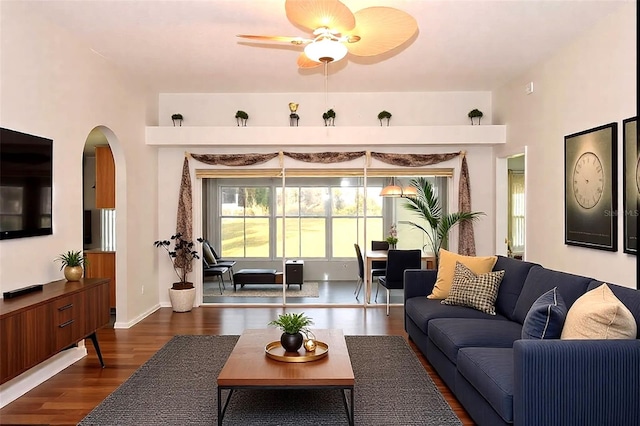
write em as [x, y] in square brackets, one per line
[67, 397]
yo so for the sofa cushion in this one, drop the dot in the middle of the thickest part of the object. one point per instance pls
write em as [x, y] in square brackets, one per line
[446, 269]
[540, 280]
[629, 296]
[452, 334]
[422, 310]
[546, 317]
[474, 291]
[515, 273]
[599, 314]
[490, 372]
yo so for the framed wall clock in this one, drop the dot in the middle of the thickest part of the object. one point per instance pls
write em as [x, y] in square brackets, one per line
[630, 184]
[590, 170]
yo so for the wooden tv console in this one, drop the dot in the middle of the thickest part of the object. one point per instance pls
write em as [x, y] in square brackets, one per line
[36, 326]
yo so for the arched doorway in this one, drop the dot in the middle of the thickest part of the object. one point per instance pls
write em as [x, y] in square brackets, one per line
[102, 166]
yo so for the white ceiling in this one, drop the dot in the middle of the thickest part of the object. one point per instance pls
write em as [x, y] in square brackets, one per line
[190, 46]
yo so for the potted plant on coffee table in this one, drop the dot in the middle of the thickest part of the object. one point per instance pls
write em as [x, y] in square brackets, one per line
[72, 262]
[182, 255]
[292, 326]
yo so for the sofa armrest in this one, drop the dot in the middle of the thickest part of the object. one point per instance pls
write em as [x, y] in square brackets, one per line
[576, 382]
[418, 282]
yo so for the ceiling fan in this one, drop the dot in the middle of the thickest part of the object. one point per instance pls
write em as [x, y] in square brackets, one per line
[338, 31]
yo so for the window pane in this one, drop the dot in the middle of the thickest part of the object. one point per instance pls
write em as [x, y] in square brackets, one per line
[292, 201]
[293, 237]
[257, 237]
[312, 201]
[374, 201]
[344, 201]
[232, 203]
[257, 201]
[344, 235]
[232, 237]
[313, 237]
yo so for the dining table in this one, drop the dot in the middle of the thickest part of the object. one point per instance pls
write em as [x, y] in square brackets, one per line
[429, 262]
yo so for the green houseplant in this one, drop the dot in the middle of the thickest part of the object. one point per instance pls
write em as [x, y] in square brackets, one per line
[475, 113]
[292, 326]
[427, 207]
[177, 118]
[241, 118]
[382, 115]
[72, 263]
[329, 117]
[183, 253]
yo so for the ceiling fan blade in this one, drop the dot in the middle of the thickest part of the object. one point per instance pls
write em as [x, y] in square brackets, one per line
[281, 39]
[380, 29]
[305, 62]
[314, 14]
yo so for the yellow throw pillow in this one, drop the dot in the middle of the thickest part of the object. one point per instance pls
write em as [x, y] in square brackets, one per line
[599, 314]
[447, 266]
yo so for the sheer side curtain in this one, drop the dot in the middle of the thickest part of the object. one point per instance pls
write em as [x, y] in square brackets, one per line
[516, 212]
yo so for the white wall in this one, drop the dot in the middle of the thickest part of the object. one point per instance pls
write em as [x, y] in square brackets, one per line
[356, 109]
[590, 82]
[54, 86]
[352, 109]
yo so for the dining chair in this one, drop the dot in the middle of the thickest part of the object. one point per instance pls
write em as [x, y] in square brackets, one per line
[360, 281]
[397, 262]
[378, 267]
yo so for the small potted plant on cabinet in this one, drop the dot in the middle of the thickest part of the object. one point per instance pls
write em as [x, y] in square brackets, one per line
[292, 326]
[72, 262]
[177, 118]
[182, 293]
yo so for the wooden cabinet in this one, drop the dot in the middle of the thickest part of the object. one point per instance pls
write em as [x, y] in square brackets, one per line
[105, 178]
[102, 264]
[38, 325]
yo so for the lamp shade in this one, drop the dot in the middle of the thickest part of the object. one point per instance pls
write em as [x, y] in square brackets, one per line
[391, 191]
[325, 50]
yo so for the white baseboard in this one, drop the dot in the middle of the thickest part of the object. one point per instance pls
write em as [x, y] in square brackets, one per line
[137, 319]
[15, 388]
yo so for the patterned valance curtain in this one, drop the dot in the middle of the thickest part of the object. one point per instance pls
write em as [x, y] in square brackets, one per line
[466, 240]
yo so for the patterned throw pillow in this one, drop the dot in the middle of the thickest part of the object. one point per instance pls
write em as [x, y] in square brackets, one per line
[474, 291]
[446, 270]
[545, 317]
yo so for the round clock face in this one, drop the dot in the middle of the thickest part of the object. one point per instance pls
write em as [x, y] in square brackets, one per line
[588, 180]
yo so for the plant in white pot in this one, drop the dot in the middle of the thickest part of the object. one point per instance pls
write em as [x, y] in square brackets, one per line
[292, 326]
[72, 263]
[182, 255]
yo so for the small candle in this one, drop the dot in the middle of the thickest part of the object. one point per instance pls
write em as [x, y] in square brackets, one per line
[310, 345]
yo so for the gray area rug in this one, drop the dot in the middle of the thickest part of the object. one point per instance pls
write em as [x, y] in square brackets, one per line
[309, 289]
[177, 386]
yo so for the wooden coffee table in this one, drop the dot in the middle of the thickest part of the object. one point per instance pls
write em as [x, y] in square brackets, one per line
[248, 367]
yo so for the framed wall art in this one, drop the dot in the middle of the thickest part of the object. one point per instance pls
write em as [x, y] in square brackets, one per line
[590, 170]
[630, 183]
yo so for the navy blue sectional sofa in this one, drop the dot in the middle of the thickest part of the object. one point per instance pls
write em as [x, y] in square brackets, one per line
[501, 379]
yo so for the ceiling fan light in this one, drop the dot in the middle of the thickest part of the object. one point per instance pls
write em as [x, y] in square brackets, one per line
[325, 50]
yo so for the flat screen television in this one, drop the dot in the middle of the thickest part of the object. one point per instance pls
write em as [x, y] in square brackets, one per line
[25, 185]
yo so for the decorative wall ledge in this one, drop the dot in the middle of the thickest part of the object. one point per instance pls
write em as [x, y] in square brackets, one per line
[326, 136]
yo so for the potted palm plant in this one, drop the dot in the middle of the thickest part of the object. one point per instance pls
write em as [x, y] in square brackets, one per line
[182, 293]
[292, 326]
[426, 206]
[72, 262]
